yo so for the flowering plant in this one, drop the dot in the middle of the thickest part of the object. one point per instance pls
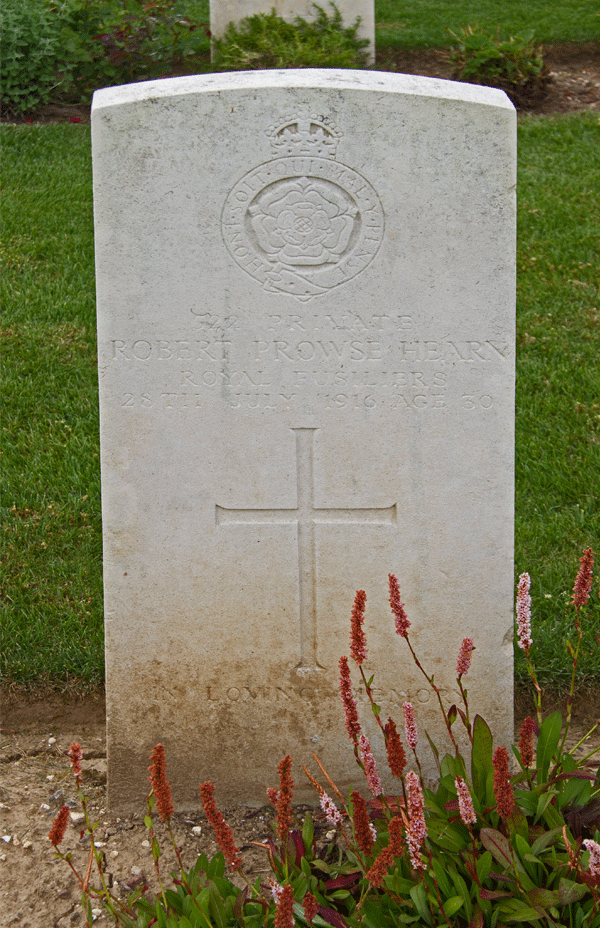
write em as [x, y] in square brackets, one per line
[498, 842]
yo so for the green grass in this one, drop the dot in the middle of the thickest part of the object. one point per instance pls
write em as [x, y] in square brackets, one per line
[51, 495]
[52, 627]
[558, 377]
[426, 22]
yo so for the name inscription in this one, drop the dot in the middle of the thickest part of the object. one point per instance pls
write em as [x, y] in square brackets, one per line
[306, 363]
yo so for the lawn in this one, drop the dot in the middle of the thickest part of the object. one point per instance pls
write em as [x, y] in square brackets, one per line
[51, 493]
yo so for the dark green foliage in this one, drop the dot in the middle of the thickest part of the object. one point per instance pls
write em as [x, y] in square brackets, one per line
[117, 43]
[30, 37]
[515, 65]
[482, 848]
[63, 50]
[267, 41]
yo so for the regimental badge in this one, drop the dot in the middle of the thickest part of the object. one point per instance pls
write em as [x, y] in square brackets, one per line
[303, 223]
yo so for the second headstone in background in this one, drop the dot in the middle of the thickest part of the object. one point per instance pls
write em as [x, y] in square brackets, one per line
[222, 12]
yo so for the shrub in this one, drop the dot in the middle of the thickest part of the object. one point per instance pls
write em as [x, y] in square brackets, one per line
[66, 49]
[486, 848]
[267, 41]
[515, 65]
[30, 41]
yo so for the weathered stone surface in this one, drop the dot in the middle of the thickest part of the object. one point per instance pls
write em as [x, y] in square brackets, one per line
[305, 285]
[222, 12]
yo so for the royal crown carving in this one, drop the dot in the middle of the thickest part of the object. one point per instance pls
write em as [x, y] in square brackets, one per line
[304, 134]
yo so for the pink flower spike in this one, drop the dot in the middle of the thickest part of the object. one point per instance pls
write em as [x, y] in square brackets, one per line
[524, 613]
[368, 760]
[465, 803]
[402, 623]
[583, 583]
[76, 755]
[464, 657]
[358, 641]
[417, 829]
[330, 809]
[594, 848]
[410, 726]
[276, 889]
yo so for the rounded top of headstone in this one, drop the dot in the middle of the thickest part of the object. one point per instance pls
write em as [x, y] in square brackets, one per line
[302, 78]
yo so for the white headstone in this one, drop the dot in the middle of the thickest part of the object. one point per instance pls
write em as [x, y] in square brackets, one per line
[305, 285]
[222, 12]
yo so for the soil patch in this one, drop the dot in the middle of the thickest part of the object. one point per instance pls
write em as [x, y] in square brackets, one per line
[39, 891]
[573, 75]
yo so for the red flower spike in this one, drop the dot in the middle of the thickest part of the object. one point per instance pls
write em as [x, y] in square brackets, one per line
[284, 798]
[583, 583]
[59, 826]
[362, 824]
[350, 710]
[160, 784]
[284, 917]
[222, 831]
[526, 742]
[380, 867]
[395, 749]
[310, 906]
[358, 641]
[503, 791]
[378, 870]
[396, 833]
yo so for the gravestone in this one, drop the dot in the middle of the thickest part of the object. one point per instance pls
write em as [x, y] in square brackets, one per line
[222, 12]
[305, 285]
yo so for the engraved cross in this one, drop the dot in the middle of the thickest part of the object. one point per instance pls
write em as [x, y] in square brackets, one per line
[306, 516]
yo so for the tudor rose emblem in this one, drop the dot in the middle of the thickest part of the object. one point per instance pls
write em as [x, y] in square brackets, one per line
[303, 223]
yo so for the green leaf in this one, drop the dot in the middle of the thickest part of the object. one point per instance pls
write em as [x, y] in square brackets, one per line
[569, 892]
[541, 843]
[484, 865]
[542, 897]
[524, 913]
[419, 897]
[148, 822]
[440, 875]
[216, 907]
[527, 801]
[481, 757]
[499, 846]
[447, 836]
[517, 822]
[543, 802]
[462, 890]
[452, 905]
[547, 744]
[552, 817]
[308, 833]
